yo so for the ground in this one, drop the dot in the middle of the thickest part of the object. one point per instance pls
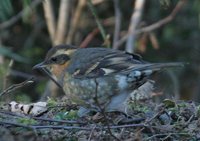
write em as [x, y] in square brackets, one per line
[147, 120]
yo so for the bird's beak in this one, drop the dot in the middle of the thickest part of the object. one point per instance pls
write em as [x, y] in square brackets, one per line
[39, 66]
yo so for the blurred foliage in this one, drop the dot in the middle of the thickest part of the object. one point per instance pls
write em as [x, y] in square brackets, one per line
[27, 121]
[51, 102]
[8, 53]
[6, 9]
[27, 40]
[66, 115]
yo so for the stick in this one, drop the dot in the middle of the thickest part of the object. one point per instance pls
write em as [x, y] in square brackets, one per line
[16, 86]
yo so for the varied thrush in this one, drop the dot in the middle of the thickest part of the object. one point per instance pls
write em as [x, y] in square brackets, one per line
[93, 77]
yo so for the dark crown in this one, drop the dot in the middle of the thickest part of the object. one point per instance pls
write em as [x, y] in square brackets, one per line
[53, 50]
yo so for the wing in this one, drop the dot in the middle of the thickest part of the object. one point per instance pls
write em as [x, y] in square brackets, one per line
[98, 62]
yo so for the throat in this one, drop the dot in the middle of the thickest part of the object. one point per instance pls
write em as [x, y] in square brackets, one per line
[59, 70]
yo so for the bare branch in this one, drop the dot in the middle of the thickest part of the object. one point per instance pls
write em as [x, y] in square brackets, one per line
[102, 110]
[75, 21]
[164, 21]
[89, 38]
[50, 18]
[94, 32]
[41, 118]
[100, 26]
[156, 25]
[16, 86]
[117, 23]
[69, 127]
[43, 126]
[6, 78]
[62, 21]
[135, 19]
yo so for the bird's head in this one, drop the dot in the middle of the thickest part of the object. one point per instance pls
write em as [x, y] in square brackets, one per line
[57, 59]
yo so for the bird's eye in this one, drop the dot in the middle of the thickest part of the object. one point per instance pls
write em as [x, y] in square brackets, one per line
[54, 59]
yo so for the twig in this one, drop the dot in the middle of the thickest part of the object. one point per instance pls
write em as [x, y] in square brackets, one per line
[149, 120]
[16, 124]
[117, 23]
[50, 18]
[90, 136]
[102, 110]
[156, 25]
[75, 21]
[17, 17]
[44, 126]
[59, 121]
[127, 126]
[78, 122]
[155, 116]
[68, 127]
[135, 19]
[94, 13]
[89, 37]
[165, 134]
[17, 86]
[62, 21]
[22, 74]
[41, 118]
[6, 78]
[166, 20]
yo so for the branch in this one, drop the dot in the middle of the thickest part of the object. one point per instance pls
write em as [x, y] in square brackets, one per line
[167, 135]
[89, 38]
[164, 21]
[102, 110]
[156, 25]
[62, 21]
[135, 19]
[41, 118]
[91, 35]
[43, 126]
[75, 21]
[68, 127]
[16, 86]
[6, 78]
[117, 23]
[102, 31]
[50, 18]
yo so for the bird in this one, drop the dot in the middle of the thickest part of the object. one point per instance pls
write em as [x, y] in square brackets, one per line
[96, 77]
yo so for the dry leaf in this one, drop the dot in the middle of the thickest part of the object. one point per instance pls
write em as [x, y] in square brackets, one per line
[34, 109]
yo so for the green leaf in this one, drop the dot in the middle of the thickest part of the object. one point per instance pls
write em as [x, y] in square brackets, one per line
[169, 103]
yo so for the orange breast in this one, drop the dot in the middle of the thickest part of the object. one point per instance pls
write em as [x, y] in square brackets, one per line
[57, 70]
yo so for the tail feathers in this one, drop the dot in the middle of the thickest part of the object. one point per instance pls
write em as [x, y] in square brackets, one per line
[160, 66]
[145, 70]
[153, 67]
